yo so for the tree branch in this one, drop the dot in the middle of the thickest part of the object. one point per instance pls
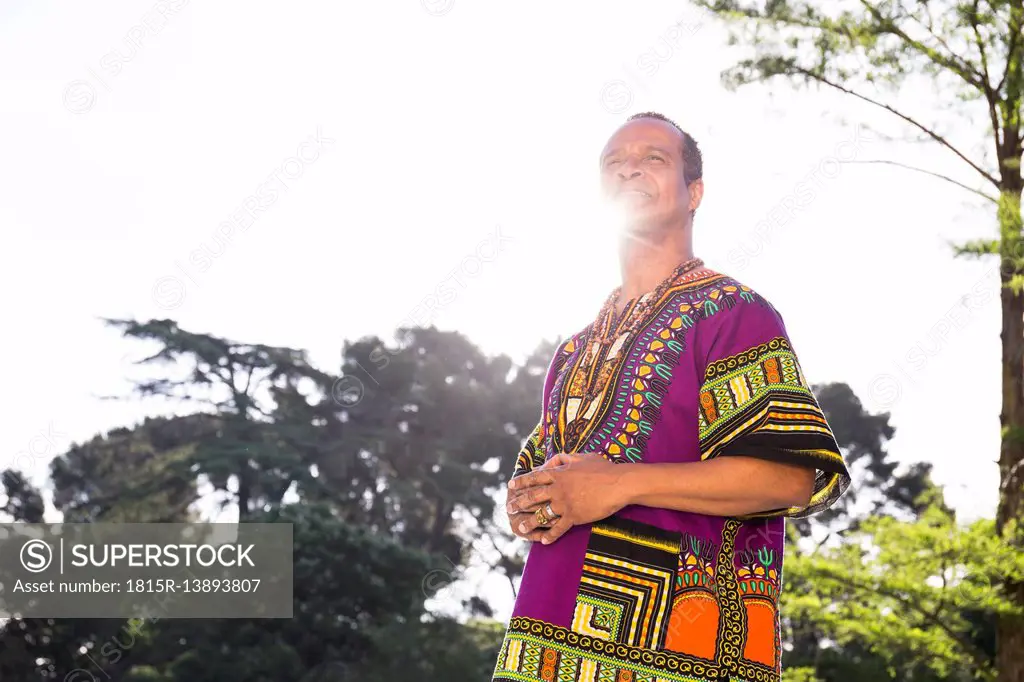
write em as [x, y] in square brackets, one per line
[935, 136]
[511, 578]
[888, 25]
[248, 378]
[828, 536]
[930, 27]
[980, 45]
[928, 172]
[990, 94]
[961, 67]
[1015, 35]
[980, 657]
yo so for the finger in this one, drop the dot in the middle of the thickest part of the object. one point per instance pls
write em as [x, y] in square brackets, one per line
[526, 516]
[528, 523]
[561, 459]
[557, 530]
[544, 505]
[535, 536]
[565, 459]
[511, 495]
[514, 520]
[538, 532]
[531, 479]
[529, 500]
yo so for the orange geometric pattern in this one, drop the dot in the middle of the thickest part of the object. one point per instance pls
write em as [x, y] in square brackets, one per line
[762, 628]
[693, 627]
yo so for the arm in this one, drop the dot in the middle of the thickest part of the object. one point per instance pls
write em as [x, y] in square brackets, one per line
[733, 486]
[587, 488]
[765, 448]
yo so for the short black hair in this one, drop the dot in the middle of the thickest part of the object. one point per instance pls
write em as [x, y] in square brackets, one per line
[693, 162]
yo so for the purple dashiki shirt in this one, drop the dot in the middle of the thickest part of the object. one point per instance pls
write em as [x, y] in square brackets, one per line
[700, 368]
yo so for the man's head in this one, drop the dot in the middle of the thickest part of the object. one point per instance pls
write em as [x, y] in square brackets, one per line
[655, 170]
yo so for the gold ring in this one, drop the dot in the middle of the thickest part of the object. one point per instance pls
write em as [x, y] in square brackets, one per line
[542, 518]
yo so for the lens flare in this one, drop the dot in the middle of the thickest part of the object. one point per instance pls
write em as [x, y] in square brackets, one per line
[613, 217]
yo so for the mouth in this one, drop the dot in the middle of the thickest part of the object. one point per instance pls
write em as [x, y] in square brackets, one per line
[633, 194]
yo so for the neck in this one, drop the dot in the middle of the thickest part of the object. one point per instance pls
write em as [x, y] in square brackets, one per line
[645, 260]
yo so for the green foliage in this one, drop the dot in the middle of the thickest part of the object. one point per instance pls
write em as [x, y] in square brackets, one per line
[388, 485]
[348, 583]
[455, 652]
[877, 487]
[879, 490]
[135, 475]
[968, 45]
[387, 488]
[970, 53]
[911, 592]
[802, 675]
[22, 502]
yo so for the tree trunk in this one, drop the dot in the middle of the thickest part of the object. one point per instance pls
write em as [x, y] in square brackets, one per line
[442, 517]
[244, 492]
[1010, 630]
[1010, 641]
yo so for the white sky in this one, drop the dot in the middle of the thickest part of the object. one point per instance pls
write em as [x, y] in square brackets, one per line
[443, 122]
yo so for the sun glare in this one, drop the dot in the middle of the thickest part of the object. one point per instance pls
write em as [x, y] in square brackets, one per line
[612, 217]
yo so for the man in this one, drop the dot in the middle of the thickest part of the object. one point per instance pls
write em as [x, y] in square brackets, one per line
[677, 432]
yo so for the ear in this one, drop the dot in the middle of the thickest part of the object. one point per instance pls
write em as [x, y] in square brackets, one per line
[696, 190]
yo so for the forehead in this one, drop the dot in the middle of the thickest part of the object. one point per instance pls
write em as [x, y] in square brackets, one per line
[645, 131]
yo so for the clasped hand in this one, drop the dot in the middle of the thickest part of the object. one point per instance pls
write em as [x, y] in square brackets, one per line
[579, 489]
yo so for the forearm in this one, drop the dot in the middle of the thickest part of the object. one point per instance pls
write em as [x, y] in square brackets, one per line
[730, 486]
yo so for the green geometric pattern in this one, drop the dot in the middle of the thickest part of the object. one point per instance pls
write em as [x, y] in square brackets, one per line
[607, 615]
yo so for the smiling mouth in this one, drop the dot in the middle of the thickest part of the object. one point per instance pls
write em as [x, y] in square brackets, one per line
[634, 193]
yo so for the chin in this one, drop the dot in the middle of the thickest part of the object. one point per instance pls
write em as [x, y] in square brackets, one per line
[644, 223]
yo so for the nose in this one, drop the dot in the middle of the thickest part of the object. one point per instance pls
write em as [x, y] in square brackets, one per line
[629, 170]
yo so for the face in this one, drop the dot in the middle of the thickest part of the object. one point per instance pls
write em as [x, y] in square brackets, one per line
[642, 173]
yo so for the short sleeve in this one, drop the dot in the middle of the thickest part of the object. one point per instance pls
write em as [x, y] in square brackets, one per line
[533, 452]
[754, 401]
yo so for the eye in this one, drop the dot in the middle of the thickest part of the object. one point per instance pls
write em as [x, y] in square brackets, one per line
[655, 157]
[610, 162]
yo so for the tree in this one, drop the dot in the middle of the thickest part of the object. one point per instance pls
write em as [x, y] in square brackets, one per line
[125, 476]
[22, 502]
[972, 52]
[348, 582]
[433, 428]
[909, 593]
[878, 490]
[239, 385]
[388, 480]
[135, 475]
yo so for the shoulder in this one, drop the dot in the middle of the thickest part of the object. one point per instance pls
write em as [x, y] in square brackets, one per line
[569, 345]
[564, 348]
[724, 299]
[733, 317]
